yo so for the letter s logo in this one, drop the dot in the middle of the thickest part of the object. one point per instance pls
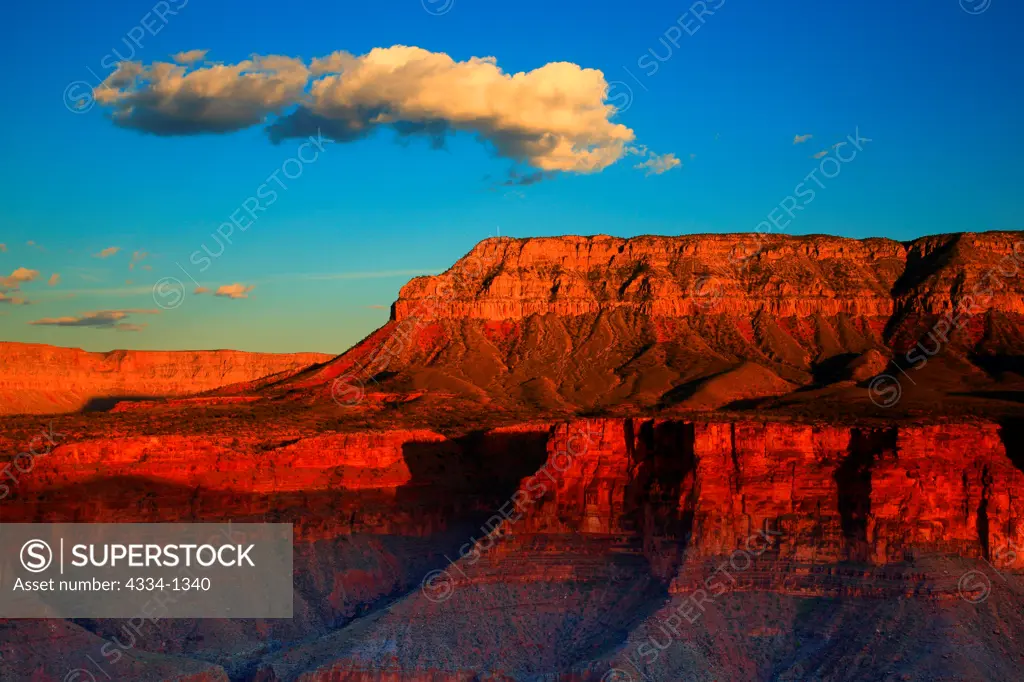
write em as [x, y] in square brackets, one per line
[36, 556]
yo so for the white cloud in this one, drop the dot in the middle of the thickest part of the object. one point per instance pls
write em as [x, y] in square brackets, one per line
[656, 164]
[170, 99]
[555, 117]
[189, 56]
[800, 139]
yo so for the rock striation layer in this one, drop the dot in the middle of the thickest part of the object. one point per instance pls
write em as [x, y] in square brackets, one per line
[699, 322]
[832, 493]
[511, 279]
[41, 379]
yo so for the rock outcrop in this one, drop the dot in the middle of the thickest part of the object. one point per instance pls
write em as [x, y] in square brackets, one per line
[871, 494]
[698, 322]
[832, 493]
[512, 279]
[41, 379]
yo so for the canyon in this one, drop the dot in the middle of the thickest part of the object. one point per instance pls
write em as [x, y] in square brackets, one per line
[591, 458]
[588, 532]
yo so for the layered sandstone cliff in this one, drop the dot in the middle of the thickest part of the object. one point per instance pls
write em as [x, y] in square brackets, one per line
[508, 279]
[421, 555]
[566, 324]
[41, 379]
[832, 493]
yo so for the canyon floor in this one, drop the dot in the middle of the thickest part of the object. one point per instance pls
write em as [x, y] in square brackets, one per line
[719, 457]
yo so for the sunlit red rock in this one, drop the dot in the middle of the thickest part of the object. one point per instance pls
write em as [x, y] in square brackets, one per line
[556, 445]
[40, 379]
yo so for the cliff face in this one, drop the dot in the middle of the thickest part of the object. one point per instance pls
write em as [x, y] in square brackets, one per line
[974, 283]
[575, 532]
[976, 271]
[40, 379]
[511, 279]
[399, 481]
[508, 279]
[833, 493]
[698, 322]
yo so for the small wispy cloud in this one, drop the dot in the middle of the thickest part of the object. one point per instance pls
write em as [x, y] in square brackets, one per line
[822, 154]
[107, 252]
[17, 278]
[3, 248]
[32, 244]
[54, 280]
[657, 164]
[800, 139]
[100, 319]
[516, 179]
[233, 291]
[189, 56]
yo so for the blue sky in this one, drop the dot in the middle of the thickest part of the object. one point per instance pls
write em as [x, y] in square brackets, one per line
[936, 89]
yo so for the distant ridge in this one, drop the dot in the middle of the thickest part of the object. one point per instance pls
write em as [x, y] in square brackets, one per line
[42, 379]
